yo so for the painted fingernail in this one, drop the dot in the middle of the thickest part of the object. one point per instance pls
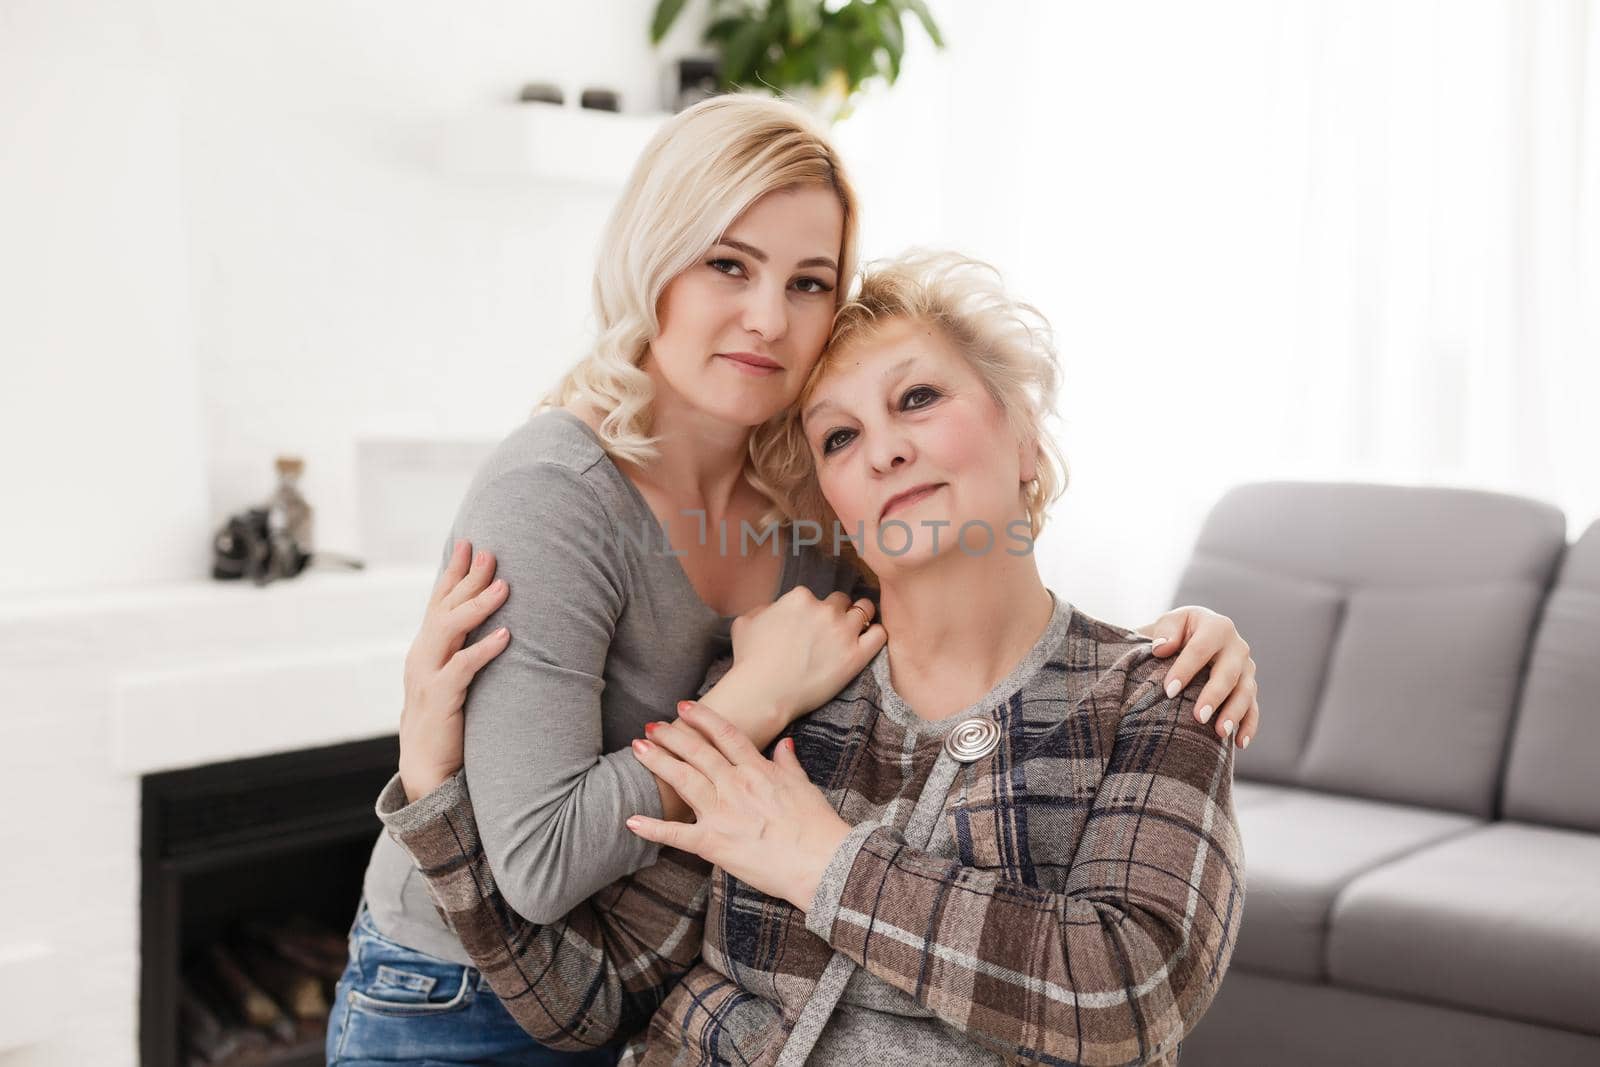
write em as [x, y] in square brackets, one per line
[1244, 742]
[649, 726]
[1227, 727]
[1173, 687]
[1205, 713]
[684, 705]
[641, 745]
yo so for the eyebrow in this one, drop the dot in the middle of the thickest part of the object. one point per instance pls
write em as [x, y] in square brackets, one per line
[824, 405]
[761, 257]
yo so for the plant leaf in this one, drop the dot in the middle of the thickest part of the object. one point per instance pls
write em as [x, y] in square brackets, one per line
[805, 19]
[744, 53]
[920, 9]
[667, 12]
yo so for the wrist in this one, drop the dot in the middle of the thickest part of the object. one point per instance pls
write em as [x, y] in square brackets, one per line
[819, 856]
[419, 783]
[752, 706]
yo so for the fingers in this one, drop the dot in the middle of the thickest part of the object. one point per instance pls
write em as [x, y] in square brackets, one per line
[447, 622]
[680, 835]
[691, 785]
[728, 739]
[1231, 717]
[1166, 633]
[470, 614]
[472, 583]
[1227, 671]
[865, 608]
[465, 664]
[1247, 729]
[690, 745]
[873, 638]
[454, 570]
[1201, 649]
[784, 758]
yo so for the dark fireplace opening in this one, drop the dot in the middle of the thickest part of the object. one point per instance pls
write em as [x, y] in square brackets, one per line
[251, 874]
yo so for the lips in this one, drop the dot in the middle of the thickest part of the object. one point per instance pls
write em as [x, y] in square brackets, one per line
[910, 496]
[751, 360]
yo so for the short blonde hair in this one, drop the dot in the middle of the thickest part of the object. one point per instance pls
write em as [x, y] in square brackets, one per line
[1008, 343]
[701, 171]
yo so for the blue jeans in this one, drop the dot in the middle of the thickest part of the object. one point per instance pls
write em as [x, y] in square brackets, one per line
[397, 1005]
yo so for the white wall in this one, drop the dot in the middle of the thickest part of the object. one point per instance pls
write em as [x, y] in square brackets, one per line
[228, 235]
[100, 436]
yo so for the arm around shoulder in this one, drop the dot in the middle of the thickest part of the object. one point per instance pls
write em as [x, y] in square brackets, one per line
[550, 801]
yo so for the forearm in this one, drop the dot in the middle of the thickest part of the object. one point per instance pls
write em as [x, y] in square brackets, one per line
[554, 844]
[752, 706]
[600, 971]
[759, 712]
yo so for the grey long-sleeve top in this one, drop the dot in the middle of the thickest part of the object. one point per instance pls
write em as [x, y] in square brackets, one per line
[607, 633]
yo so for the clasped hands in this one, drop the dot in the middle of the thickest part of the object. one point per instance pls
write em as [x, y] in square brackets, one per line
[761, 820]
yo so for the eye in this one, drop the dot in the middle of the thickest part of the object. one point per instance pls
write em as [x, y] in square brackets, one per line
[831, 442]
[931, 394]
[731, 267]
[821, 286]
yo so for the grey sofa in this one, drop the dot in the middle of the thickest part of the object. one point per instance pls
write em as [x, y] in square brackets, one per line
[1421, 810]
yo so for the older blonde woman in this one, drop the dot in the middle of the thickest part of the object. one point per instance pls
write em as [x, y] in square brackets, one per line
[717, 283]
[1002, 841]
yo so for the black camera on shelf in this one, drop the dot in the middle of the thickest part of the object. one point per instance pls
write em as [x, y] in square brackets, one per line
[246, 547]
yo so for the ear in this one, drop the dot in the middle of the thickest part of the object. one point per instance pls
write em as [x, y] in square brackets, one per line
[1028, 460]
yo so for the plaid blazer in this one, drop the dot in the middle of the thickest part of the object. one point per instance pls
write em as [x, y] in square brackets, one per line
[1071, 897]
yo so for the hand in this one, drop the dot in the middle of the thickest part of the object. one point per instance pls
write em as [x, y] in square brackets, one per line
[1209, 638]
[760, 820]
[799, 651]
[438, 669]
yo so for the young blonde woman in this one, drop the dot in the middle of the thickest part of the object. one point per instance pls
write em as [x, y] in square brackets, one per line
[719, 276]
[1001, 842]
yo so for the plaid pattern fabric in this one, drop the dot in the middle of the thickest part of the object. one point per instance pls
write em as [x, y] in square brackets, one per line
[1077, 902]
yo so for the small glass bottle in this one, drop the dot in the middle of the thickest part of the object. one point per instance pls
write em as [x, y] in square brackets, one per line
[289, 518]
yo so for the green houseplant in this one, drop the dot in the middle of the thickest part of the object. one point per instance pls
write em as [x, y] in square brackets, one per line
[821, 51]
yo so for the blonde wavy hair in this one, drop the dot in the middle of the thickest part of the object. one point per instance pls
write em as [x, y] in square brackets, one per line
[701, 171]
[1008, 343]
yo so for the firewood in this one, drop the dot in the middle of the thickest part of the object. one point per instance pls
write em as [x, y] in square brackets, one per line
[249, 1000]
[322, 955]
[296, 989]
[202, 1030]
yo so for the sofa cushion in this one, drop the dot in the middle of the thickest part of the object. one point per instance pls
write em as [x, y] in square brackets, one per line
[1254, 794]
[1556, 744]
[1389, 622]
[1504, 920]
[1421, 689]
[1300, 849]
[1290, 624]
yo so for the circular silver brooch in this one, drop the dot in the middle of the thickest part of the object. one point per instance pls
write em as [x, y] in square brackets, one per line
[973, 740]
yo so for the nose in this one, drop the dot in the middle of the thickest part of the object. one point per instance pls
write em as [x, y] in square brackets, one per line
[889, 448]
[766, 311]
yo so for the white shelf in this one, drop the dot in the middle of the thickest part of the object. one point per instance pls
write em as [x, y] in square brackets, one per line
[30, 1013]
[549, 143]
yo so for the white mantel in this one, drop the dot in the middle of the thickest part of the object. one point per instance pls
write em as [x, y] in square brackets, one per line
[99, 689]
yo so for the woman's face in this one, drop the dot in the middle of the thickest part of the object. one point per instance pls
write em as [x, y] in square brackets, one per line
[741, 329]
[901, 411]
